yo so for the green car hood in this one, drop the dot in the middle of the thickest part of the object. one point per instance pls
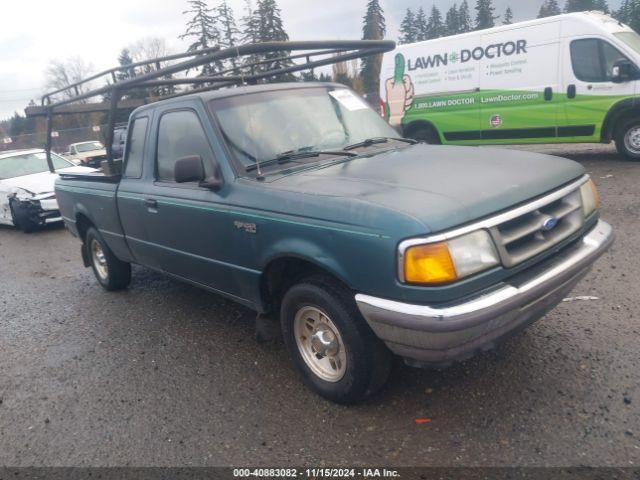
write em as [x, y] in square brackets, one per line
[439, 186]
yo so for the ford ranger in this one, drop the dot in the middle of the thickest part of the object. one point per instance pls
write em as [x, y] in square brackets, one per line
[300, 202]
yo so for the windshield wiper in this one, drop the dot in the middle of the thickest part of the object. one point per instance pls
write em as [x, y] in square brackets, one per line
[377, 140]
[290, 155]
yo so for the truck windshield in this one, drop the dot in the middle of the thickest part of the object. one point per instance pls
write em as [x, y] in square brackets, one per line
[632, 39]
[28, 164]
[89, 146]
[260, 126]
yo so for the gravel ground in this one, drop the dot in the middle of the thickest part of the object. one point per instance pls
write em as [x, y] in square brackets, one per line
[167, 375]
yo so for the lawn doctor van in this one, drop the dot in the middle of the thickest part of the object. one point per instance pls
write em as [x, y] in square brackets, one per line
[569, 78]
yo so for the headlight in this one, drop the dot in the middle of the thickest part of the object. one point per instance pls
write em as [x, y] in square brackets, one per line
[446, 262]
[590, 198]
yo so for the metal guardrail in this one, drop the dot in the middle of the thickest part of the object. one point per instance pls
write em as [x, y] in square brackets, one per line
[247, 72]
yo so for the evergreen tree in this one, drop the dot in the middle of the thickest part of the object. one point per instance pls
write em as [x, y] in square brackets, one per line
[229, 32]
[452, 21]
[421, 25]
[374, 28]
[549, 8]
[408, 32]
[203, 30]
[601, 5]
[250, 34]
[484, 15]
[271, 29]
[464, 18]
[586, 5]
[435, 27]
[124, 60]
[508, 17]
[629, 13]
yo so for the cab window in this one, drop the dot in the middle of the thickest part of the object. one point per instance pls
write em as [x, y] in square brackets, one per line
[133, 167]
[180, 134]
[593, 59]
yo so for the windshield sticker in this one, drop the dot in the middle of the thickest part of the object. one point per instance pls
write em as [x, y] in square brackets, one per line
[348, 100]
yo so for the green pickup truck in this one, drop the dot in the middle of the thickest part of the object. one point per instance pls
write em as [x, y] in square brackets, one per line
[300, 202]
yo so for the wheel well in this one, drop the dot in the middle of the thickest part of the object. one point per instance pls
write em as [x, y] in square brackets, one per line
[282, 273]
[618, 116]
[422, 125]
[83, 224]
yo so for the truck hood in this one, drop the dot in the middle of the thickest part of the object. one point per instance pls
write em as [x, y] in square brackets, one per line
[440, 186]
[38, 183]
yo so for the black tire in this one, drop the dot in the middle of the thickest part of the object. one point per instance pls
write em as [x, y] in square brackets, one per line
[117, 274]
[624, 144]
[368, 361]
[423, 134]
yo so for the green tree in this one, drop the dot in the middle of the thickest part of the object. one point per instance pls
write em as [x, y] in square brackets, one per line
[374, 28]
[484, 15]
[629, 13]
[465, 23]
[271, 29]
[229, 33]
[408, 32]
[508, 17]
[421, 25]
[586, 5]
[549, 8]
[124, 60]
[202, 30]
[435, 26]
[452, 21]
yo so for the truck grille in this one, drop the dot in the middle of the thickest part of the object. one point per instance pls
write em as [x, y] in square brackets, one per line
[536, 231]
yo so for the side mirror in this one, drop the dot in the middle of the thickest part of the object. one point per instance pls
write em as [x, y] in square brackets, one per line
[215, 182]
[189, 169]
[622, 71]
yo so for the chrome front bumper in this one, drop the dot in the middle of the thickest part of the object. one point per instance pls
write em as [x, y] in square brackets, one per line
[426, 335]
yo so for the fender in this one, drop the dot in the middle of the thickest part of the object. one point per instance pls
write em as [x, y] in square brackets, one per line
[615, 113]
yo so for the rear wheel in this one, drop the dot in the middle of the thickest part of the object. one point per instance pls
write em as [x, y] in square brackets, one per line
[330, 343]
[112, 273]
[628, 140]
[423, 134]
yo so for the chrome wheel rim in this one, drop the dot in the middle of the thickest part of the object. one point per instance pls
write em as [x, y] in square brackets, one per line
[99, 260]
[632, 140]
[320, 344]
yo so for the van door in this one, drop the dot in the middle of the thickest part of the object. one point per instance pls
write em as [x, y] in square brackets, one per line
[520, 83]
[589, 92]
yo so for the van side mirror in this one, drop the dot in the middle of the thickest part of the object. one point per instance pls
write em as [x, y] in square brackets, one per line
[189, 169]
[623, 71]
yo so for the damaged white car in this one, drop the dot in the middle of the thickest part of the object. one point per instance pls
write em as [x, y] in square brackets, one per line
[27, 197]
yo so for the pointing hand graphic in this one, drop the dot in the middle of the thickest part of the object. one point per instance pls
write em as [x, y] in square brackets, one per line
[399, 91]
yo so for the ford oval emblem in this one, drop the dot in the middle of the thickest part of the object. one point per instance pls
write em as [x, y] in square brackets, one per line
[549, 224]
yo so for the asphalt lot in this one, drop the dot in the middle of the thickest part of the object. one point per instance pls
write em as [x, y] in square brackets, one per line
[167, 375]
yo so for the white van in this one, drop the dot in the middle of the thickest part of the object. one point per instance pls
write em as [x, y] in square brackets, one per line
[569, 78]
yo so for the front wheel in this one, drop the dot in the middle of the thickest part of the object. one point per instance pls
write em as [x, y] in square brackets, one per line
[628, 140]
[112, 273]
[330, 343]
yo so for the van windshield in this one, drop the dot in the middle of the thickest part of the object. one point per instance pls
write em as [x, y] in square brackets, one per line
[632, 39]
[260, 126]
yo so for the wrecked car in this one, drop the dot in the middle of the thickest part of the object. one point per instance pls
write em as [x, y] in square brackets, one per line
[27, 197]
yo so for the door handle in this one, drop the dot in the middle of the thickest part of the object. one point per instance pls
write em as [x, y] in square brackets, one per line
[571, 91]
[548, 94]
[151, 204]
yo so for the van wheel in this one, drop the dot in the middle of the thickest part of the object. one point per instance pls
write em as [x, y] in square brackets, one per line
[330, 343]
[112, 273]
[628, 140]
[424, 134]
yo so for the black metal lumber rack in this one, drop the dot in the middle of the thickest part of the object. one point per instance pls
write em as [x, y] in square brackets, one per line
[297, 56]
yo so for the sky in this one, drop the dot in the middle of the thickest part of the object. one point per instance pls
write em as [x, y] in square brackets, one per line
[32, 33]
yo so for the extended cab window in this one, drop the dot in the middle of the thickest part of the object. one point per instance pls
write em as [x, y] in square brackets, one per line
[593, 59]
[133, 169]
[181, 135]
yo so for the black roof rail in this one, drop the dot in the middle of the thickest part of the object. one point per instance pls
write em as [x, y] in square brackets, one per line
[248, 71]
